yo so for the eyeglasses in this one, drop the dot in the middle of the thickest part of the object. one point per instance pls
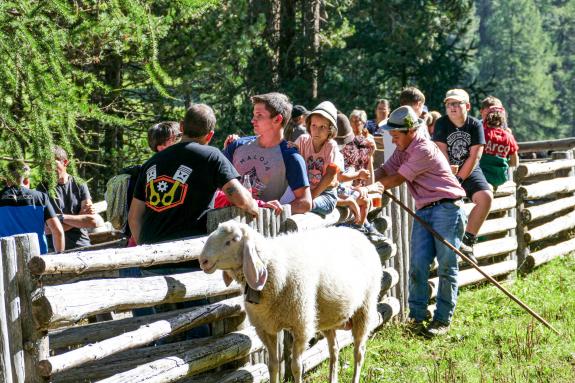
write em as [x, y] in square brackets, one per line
[454, 104]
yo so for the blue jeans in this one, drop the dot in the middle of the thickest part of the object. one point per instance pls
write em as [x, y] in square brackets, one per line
[325, 203]
[449, 220]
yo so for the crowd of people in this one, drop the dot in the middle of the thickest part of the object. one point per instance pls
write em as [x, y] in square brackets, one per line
[312, 160]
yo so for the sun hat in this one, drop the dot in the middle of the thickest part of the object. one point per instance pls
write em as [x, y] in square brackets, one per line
[325, 109]
[403, 118]
[298, 110]
[457, 94]
[344, 131]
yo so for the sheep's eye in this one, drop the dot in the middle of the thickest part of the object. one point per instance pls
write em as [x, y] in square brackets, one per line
[228, 243]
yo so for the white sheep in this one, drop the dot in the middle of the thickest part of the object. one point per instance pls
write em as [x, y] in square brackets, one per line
[325, 279]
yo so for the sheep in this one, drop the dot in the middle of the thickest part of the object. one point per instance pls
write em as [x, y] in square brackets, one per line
[324, 280]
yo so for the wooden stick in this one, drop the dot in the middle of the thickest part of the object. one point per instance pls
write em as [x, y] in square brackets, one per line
[487, 276]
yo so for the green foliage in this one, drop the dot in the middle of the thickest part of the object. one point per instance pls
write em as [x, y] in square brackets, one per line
[491, 339]
[519, 70]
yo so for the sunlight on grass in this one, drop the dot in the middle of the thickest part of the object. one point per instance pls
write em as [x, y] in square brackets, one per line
[491, 339]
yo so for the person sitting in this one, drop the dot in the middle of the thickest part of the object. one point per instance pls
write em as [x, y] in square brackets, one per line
[357, 118]
[500, 147]
[319, 151]
[296, 126]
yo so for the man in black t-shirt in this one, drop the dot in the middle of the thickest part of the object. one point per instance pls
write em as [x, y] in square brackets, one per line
[460, 137]
[176, 186]
[72, 204]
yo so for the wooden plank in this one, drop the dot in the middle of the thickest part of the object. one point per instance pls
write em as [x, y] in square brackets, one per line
[546, 188]
[547, 145]
[506, 189]
[257, 373]
[497, 225]
[547, 254]
[494, 247]
[56, 306]
[141, 336]
[310, 221]
[532, 213]
[35, 341]
[549, 229]
[498, 204]
[6, 372]
[138, 256]
[527, 169]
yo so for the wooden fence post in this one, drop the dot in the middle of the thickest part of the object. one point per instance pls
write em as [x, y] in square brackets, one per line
[5, 354]
[35, 343]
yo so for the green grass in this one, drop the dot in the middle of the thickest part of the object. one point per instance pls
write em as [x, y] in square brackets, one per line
[491, 339]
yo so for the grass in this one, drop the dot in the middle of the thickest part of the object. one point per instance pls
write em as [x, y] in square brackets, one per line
[491, 338]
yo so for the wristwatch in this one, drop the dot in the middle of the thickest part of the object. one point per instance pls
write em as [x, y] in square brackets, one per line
[61, 218]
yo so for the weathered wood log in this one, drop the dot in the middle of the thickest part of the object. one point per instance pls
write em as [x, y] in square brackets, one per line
[546, 188]
[6, 355]
[497, 225]
[544, 146]
[139, 256]
[545, 255]
[105, 236]
[310, 221]
[35, 340]
[494, 247]
[257, 373]
[60, 279]
[13, 344]
[565, 155]
[142, 336]
[216, 353]
[389, 279]
[382, 223]
[546, 209]
[549, 229]
[508, 188]
[56, 306]
[498, 204]
[472, 276]
[527, 169]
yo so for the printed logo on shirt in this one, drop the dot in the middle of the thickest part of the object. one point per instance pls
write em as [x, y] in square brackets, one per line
[257, 185]
[166, 192]
[314, 169]
[458, 144]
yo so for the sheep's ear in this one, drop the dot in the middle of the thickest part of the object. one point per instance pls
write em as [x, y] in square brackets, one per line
[255, 271]
[227, 278]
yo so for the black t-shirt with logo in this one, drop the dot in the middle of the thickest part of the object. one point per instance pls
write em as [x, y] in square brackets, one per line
[178, 186]
[459, 140]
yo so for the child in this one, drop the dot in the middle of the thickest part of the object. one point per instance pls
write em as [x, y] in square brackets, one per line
[320, 153]
[500, 148]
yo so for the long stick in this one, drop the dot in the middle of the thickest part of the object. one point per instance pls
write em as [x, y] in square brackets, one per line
[465, 258]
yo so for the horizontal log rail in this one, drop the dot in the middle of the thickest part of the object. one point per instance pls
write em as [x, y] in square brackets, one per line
[546, 188]
[541, 146]
[255, 373]
[547, 209]
[545, 255]
[472, 276]
[508, 188]
[139, 256]
[549, 229]
[497, 225]
[141, 336]
[490, 248]
[56, 306]
[498, 204]
[527, 169]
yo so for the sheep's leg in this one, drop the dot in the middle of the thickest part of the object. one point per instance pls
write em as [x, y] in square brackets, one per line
[360, 331]
[333, 354]
[298, 347]
[271, 343]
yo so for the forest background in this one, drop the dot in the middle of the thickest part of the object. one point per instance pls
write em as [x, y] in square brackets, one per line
[94, 75]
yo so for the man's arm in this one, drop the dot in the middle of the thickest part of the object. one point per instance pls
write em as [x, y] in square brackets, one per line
[386, 180]
[58, 240]
[471, 162]
[86, 218]
[137, 209]
[302, 202]
[240, 197]
[443, 147]
[514, 160]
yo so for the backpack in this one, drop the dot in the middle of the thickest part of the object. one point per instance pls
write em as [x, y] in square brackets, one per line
[118, 195]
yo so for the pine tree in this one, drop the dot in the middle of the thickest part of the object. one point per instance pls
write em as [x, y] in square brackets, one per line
[516, 57]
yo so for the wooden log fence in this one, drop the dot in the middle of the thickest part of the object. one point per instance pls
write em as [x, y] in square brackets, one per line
[47, 298]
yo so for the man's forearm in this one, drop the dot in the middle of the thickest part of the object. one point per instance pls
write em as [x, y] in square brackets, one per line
[240, 197]
[80, 221]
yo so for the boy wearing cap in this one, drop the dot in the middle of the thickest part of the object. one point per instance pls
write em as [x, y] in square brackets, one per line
[437, 193]
[461, 139]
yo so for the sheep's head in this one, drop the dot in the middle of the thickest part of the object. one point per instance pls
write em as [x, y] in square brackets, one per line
[232, 248]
